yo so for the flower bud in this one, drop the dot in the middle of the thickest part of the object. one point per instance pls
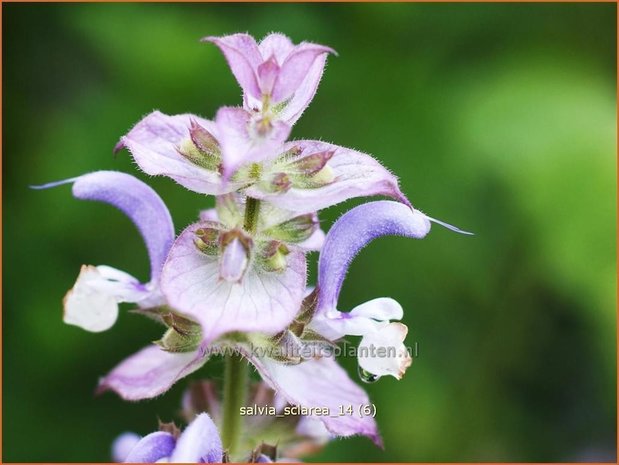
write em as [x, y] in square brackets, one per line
[311, 164]
[278, 182]
[207, 240]
[274, 256]
[204, 141]
[201, 148]
[297, 229]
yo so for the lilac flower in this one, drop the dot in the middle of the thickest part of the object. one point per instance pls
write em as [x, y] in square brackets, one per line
[303, 176]
[321, 381]
[236, 279]
[92, 304]
[278, 78]
[255, 284]
[198, 443]
[372, 319]
[317, 382]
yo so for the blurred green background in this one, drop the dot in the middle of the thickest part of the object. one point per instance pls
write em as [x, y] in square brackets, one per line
[499, 118]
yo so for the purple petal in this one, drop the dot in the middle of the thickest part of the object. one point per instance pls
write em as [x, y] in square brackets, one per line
[154, 143]
[262, 301]
[277, 45]
[123, 445]
[241, 143]
[199, 443]
[139, 202]
[305, 92]
[353, 231]
[355, 175]
[321, 382]
[151, 448]
[267, 74]
[295, 68]
[243, 57]
[150, 372]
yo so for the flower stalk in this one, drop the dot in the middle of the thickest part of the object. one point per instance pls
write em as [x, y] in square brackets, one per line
[234, 394]
[252, 210]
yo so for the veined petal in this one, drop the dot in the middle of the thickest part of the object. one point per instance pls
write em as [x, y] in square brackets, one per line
[321, 382]
[295, 69]
[92, 303]
[244, 140]
[243, 57]
[354, 174]
[151, 448]
[123, 445]
[383, 352]
[154, 143]
[150, 372]
[314, 428]
[353, 231]
[263, 301]
[199, 443]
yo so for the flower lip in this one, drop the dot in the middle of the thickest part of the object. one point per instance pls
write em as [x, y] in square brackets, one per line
[234, 260]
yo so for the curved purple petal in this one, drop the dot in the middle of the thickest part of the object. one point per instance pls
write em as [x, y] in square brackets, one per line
[150, 372]
[139, 202]
[262, 301]
[321, 383]
[353, 231]
[152, 448]
[355, 174]
[199, 443]
[123, 445]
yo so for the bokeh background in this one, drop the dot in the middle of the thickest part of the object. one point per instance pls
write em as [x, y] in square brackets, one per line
[498, 118]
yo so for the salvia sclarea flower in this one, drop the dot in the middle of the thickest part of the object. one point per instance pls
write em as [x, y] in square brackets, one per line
[198, 443]
[237, 278]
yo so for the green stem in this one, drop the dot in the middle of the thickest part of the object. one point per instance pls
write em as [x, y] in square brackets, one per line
[252, 210]
[234, 397]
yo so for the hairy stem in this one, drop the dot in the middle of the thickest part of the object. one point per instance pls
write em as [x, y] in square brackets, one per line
[252, 210]
[235, 391]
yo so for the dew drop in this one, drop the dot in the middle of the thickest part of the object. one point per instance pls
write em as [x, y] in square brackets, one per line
[366, 376]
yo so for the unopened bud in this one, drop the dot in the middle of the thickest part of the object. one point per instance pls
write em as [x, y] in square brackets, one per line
[311, 164]
[202, 139]
[206, 160]
[274, 256]
[279, 182]
[207, 240]
[297, 229]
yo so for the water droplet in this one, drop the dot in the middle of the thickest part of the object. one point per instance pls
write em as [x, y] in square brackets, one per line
[366, 376]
